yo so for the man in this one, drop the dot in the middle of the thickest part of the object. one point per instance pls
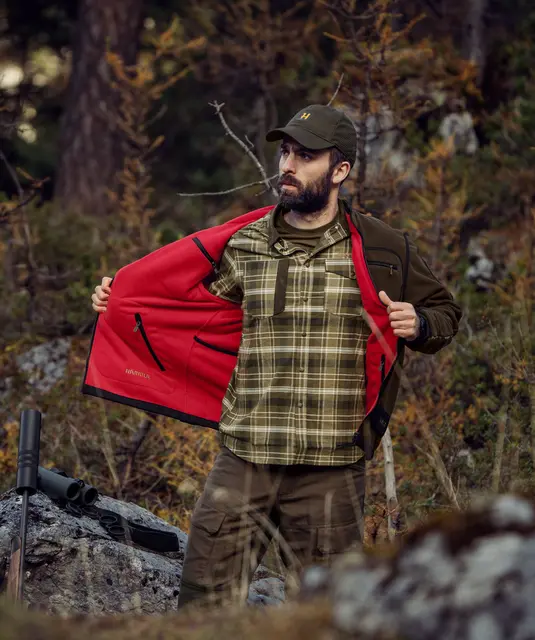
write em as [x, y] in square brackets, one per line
[293, 322]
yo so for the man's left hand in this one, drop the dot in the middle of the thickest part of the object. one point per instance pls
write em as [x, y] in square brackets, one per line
[403, 317]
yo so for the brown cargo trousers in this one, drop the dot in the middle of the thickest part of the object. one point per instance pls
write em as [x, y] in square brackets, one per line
[314, 513]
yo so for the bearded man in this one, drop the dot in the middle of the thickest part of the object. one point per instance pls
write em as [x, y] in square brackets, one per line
[319, 303]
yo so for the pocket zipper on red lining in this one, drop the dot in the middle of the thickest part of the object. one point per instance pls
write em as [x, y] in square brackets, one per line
[139, 325]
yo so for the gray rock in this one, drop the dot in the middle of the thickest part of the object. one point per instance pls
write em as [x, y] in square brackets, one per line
[45, 364]
[471, 579]
[482, 270]
[74, 566]
[459, 128]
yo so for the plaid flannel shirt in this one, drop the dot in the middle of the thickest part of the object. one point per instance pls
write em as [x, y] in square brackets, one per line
[297, 393]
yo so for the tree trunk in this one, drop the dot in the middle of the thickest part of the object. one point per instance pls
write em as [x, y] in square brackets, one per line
[91, 149]
[474, 41]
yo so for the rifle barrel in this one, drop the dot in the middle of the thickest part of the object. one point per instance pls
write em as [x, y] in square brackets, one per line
[23, 533]
[27, 463]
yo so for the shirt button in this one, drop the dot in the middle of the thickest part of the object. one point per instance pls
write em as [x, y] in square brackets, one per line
[301, 369]
[305, 298]
[300, 404]
[304, 334]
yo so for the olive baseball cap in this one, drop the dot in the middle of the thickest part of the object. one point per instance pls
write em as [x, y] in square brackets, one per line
[320, 127]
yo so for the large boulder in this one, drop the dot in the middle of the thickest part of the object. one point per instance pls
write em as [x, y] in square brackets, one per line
[73, 565]
[469, 576]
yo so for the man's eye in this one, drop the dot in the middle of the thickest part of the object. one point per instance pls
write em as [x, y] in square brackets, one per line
[305, 156]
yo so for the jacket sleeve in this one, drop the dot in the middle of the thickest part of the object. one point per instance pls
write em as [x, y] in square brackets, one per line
[432, 301]
[226, 284]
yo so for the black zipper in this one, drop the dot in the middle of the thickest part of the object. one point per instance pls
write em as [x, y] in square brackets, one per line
[139, 325]
[392, 267]
[382, 367]
[207, 255]
[211, 346]
[406, 265]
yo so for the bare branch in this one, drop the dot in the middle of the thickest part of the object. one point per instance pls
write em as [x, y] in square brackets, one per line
[234, 189]
[218, 107]
[5, 212]
[13, 175]
[142, 433]
[392, 503]
[337, 90]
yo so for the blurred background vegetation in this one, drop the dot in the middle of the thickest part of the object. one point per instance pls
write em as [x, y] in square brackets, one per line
[107, 119]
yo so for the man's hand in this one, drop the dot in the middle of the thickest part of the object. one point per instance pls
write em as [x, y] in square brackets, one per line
[101, 295]
[403, 317]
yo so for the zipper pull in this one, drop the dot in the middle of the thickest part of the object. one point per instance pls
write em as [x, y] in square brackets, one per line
[138, 324]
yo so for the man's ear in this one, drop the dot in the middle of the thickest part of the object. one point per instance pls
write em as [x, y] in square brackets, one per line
[341, 172]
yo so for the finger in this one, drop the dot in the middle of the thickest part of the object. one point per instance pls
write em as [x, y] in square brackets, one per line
[383, 297]
[409, 326]
[99, 302]
[403, 333]
[98, 308]
[106, 281]
[405, 314]
[101, 294]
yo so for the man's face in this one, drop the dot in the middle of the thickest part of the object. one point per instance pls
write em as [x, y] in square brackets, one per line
[305, 178]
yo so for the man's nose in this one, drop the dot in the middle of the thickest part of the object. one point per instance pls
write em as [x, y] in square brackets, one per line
[288, 165]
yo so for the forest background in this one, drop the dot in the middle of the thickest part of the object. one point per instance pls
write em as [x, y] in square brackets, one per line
[114, 112]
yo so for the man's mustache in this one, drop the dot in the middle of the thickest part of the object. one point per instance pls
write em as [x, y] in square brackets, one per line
[289, 181]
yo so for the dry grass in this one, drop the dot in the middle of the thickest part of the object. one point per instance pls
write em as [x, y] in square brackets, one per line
[307, 621]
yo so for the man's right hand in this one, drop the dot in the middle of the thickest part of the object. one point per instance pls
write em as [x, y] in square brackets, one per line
[101, 295]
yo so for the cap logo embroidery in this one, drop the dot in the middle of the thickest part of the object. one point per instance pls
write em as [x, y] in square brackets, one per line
[304, 116]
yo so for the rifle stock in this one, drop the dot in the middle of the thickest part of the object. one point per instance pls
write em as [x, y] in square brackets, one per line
[13, 573]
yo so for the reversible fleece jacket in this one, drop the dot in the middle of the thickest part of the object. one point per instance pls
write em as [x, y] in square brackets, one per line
[168, 346]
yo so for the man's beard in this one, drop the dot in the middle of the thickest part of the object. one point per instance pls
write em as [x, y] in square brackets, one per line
[310, 199]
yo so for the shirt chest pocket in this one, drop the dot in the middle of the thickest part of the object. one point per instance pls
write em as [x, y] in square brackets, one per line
[342, 293]
[264, 287]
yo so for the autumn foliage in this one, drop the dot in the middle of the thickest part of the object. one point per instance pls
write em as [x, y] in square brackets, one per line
[466, 420]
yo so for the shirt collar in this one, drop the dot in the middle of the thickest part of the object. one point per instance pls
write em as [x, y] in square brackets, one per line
[274, 235]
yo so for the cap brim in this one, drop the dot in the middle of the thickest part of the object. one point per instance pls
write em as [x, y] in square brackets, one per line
[300, 135]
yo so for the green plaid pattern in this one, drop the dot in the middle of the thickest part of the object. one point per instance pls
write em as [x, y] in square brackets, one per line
[297, 393]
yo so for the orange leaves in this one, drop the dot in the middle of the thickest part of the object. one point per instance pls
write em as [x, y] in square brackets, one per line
[139, 88]
[8, 448]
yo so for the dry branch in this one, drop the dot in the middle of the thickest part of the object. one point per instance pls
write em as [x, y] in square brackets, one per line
[227, 191]
[135, 445]
[337, 90]
[390, 486]
[218, 107]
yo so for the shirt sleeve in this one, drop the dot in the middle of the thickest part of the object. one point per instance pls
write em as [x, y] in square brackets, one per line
[227, 284]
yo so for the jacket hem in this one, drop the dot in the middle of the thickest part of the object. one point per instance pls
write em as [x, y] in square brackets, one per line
[150, 407]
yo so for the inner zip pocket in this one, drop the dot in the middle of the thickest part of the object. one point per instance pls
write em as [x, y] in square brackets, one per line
[139, 325]
[388, 265]
[213, 346]
[207, 255]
